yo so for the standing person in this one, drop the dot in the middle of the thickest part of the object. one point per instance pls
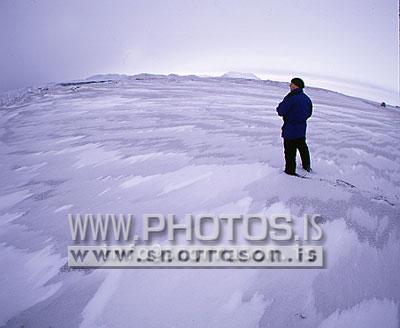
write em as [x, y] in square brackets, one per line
[295, 109]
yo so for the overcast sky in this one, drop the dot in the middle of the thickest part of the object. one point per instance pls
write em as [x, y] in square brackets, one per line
[350, 46]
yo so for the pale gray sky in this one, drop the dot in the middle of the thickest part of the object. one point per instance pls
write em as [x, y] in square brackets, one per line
[350, 46]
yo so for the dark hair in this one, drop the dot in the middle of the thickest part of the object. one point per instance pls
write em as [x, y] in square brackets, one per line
[298, 81]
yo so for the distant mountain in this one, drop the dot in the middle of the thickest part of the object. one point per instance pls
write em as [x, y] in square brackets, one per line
[108, 77]
[241, 75]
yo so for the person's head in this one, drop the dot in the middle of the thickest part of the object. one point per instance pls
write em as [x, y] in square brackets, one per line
[296, 83]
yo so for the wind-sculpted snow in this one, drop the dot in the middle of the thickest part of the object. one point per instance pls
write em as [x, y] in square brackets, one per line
[171, 144]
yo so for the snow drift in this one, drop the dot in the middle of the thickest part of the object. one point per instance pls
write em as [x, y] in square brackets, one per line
[184, 145]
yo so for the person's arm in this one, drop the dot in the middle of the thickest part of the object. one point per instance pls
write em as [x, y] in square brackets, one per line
[310, 109]
[284, 106]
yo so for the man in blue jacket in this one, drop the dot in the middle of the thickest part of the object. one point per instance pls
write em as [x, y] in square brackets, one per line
[295, 109]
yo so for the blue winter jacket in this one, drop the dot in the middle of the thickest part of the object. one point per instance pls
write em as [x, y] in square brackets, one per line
[295, 109]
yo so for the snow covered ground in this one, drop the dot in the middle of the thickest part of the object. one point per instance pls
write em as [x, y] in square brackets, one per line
[173, 144]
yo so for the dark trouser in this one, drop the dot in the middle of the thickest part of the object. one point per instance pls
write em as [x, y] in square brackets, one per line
[291, 146]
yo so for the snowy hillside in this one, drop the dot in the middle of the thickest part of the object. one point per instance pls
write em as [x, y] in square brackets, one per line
[187, 145]
[240, 75]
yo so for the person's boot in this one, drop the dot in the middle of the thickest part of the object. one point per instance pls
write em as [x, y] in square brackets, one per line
[290, 173]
